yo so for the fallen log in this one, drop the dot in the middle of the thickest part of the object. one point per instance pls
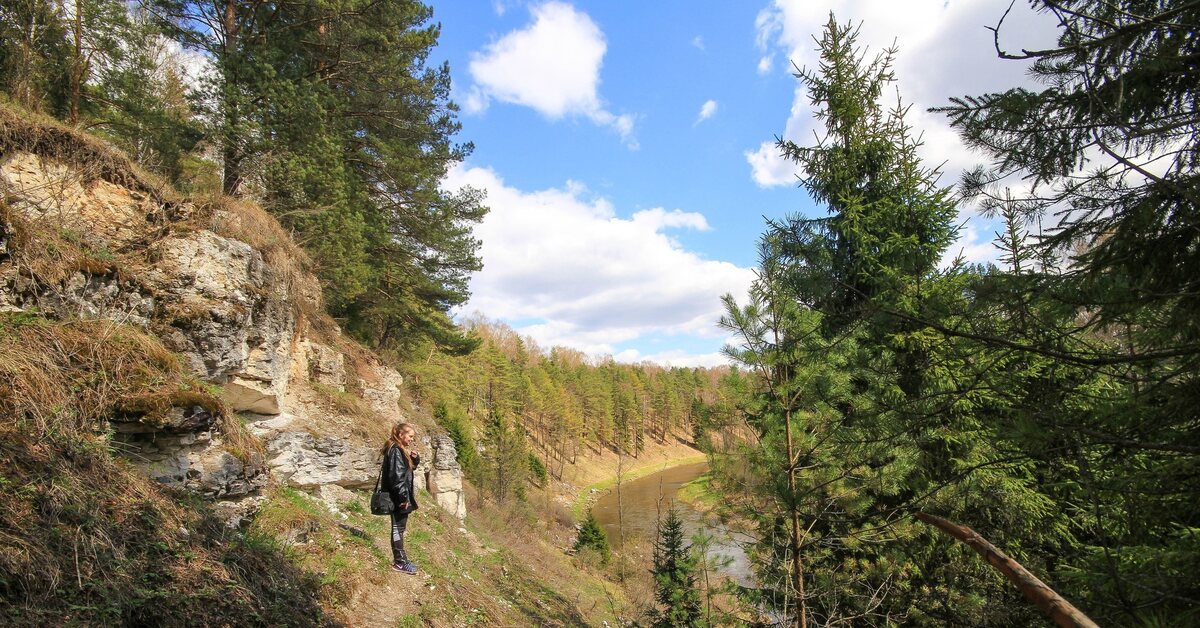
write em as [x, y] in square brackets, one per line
[1054, 605]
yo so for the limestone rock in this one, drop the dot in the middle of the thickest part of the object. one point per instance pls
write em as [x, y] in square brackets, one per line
[227, 313]
[335, 497]
[194, 461]
[382, 391]
[445, 477]
[95, 296]
[99, 212]
[303, 461]
[324, 364]
[186, 422]
[238, 511]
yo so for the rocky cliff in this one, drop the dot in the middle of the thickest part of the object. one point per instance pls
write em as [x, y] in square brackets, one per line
[85, 235]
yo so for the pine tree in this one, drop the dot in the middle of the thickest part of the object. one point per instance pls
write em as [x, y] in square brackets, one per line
[329, 113]
[674, 571]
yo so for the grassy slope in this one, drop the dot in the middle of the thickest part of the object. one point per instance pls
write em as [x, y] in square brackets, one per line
[87, 540]
[76, 551]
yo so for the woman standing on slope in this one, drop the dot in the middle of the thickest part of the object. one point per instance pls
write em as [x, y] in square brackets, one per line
[399, 462]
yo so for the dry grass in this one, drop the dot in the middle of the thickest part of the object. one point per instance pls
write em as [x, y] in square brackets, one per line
[73, 376]
[87, 540]
[46, 254]
[249, 223]
[23, 130]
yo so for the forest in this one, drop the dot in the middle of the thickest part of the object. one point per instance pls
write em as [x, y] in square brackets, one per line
[880, 395]
[554, 404]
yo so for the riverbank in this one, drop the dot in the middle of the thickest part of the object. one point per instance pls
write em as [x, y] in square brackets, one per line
[589, 480]
[698, 494]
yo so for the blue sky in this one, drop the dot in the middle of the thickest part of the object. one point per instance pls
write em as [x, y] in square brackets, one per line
[628, 155]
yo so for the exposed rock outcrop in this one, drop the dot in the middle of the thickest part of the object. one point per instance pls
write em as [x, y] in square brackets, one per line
[184, 450]
[445, 477]
[226, 311]
[304, 461]
[114, 249]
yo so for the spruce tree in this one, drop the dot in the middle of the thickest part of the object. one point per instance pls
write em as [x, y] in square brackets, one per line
[592, 537]
[863, 413]
[675, 588]
[1098, 164]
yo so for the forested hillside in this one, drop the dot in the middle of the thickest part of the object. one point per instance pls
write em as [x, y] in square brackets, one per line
[515, 399]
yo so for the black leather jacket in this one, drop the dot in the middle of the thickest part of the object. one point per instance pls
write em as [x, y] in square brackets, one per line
[398, 478]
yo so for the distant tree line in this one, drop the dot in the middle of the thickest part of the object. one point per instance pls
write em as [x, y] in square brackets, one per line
[560, 402]
[329, 114]
[1051, 401]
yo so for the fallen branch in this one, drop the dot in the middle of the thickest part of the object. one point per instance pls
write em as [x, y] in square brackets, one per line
[1054, 605]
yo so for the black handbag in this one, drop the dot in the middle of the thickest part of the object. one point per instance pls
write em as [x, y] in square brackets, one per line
[381, 500]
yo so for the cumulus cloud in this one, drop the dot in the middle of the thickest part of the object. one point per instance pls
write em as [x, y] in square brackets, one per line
[944, 51]
[563, 263]
[674, 358]
[707, 110]
[552, 66]
[765, 64]
[769, 168]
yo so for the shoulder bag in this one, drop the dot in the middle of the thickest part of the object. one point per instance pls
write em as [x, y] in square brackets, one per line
[381, 500]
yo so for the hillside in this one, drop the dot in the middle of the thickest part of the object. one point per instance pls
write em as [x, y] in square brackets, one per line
[188, 438]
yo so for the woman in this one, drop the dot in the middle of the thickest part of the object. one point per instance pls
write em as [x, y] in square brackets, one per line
[399, 461]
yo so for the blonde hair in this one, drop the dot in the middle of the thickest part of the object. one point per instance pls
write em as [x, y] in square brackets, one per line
[394, 439]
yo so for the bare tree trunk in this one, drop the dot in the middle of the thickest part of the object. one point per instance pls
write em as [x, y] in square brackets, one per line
[77, 66]
[231, 171]
[797, 562]
[1052, 604]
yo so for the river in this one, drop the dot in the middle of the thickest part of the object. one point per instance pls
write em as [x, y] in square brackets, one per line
[641, 501]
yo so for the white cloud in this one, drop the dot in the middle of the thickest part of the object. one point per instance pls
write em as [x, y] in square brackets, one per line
[944, 51]
[707, 110]
[769, 167]
[698, 42]
[659, 218]
[552, 66]
[976, 244]
[765, 64]
[674, 358]
[564, 269]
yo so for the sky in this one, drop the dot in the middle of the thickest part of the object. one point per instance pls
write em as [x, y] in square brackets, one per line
[628, 154]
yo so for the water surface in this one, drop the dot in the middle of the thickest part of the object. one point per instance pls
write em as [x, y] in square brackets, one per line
[642, 500]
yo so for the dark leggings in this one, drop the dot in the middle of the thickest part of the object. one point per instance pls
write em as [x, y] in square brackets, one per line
[399, 523]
